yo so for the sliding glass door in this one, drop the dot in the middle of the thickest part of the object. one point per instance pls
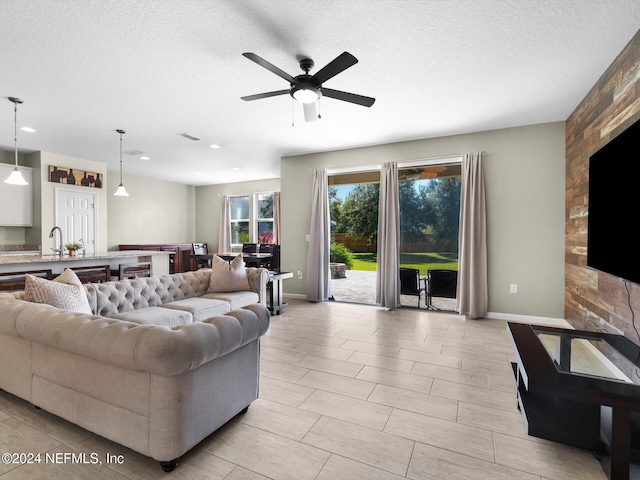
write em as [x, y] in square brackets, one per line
[429, 216]
[429, 198]
[353, 206]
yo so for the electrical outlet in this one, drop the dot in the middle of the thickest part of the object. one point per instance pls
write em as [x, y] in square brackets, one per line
[299, 274]
[514, 288]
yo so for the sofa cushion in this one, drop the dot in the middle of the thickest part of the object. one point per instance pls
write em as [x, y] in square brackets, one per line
[235, 299]
[65, 291]
[201, 308]
[156, 316]
[228, 276]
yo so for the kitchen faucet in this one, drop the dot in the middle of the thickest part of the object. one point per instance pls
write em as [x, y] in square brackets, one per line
[60, 250]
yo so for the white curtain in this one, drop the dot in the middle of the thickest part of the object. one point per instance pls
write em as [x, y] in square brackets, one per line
[472, 290]
[277, 235]
[318, 273]
[224, 232]
[388, 274]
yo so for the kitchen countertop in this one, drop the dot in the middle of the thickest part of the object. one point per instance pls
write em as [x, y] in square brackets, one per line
[7, 258]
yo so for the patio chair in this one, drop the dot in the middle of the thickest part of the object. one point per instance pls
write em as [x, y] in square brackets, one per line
[412, 284]
[441, 284]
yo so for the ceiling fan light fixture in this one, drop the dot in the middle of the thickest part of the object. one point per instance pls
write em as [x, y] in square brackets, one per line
[305, 93]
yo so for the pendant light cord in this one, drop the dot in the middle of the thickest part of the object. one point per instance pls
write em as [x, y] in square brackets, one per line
[120, 158]
[15, 130]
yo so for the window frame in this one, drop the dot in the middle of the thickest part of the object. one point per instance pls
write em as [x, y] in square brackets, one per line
[253, 220]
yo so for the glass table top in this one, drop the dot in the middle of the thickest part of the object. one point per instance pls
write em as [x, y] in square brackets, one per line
[593, 357]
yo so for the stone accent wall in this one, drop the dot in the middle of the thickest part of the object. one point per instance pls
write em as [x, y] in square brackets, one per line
[596, 300]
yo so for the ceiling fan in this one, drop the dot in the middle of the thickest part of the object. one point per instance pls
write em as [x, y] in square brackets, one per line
[307, 88]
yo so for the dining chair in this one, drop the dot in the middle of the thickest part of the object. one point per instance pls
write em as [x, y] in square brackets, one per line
[93, 274]
[249, 247]
[14, 281]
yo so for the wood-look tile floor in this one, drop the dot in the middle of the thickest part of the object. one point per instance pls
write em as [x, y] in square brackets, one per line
[347, 392]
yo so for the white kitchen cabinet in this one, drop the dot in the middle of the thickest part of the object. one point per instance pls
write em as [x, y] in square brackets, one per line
[16, 201]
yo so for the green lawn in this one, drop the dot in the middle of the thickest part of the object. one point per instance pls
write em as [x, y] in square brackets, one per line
[421, 261]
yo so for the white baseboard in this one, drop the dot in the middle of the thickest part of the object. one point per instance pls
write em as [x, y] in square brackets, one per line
[509, 317]
[298, 296]
[548, 321]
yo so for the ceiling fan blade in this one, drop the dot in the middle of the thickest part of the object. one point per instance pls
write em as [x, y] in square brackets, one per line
[272, 68]
[348, 97]
[258, 96]
[334, 67]
[310, 111]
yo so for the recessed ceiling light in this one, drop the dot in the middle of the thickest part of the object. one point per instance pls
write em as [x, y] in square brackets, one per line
[27, 129]
[145, 158]
[197, 173]
[213, 145]
[236, 168]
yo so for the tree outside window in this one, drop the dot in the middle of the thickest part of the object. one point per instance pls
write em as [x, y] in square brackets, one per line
[239, 219]
[264, 217]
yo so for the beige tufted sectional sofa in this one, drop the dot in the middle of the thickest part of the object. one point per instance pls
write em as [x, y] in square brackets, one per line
[156, 386]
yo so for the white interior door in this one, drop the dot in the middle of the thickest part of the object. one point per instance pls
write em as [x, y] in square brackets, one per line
[75, 215]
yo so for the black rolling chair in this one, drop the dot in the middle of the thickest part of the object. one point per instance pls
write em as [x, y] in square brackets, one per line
[265, 248]
[441, 284]
[272, 263]
[250, 248]
[201, 249]
[412, 284]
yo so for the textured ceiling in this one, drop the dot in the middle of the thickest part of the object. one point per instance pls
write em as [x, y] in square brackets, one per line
[164, 67]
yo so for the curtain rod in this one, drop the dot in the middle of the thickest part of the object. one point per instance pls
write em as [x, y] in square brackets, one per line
[372, 167]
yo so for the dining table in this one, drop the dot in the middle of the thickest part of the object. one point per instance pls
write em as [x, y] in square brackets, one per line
[250, 259]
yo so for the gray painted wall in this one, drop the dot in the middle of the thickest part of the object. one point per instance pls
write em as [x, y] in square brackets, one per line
[525, 183]
[154, 212]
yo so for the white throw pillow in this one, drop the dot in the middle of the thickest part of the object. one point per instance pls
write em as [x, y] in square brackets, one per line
[228, 277]
[65, 291]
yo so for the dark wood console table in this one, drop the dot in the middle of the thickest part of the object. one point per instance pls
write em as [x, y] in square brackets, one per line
[580, 388]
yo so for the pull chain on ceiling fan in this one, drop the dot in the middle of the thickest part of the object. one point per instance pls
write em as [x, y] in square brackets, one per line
[307, 89]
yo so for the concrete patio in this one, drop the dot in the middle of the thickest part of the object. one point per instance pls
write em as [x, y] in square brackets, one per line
[360, 287]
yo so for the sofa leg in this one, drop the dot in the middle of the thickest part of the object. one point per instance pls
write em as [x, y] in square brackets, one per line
[245, 410]
[170, 465]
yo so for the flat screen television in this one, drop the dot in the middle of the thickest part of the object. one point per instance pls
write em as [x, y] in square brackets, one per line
[613, 243]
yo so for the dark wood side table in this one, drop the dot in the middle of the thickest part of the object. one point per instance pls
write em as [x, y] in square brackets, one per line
[580, 388]
[275, 302]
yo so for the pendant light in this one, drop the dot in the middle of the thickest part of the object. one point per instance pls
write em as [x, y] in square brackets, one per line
[16, 177]
[121, 192]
